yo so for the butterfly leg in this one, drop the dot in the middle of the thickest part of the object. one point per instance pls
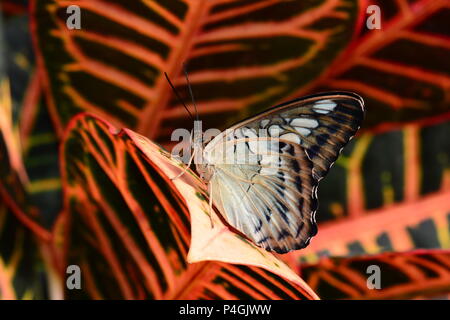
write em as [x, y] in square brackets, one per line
[186, 169]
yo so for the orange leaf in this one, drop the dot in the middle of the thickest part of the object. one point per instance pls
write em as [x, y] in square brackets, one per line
[421, 273]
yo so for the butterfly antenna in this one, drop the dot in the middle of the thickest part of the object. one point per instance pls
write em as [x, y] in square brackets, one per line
[178, 96]
[190, 90]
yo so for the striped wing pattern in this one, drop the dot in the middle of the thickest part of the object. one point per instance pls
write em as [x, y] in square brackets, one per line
[268, 190]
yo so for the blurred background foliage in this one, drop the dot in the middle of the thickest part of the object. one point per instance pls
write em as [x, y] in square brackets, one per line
[388, 192]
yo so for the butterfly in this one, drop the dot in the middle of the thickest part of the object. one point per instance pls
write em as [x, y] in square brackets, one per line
[263, 173]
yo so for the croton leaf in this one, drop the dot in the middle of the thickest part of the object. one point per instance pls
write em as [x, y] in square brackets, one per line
[13, 176]
[13, 194]
[23, 271]
[380, 170]
[21, 264]
[40, 144]
[401, 276]
[401, 70]
[30, 119]
[129, 226]
[19, 59]
[242, 56]
[8, 132]
[423, 224]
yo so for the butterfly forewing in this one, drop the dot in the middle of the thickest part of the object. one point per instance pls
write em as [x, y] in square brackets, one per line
[265, 170]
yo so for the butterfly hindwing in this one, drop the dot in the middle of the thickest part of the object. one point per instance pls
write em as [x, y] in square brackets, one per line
[267, 168]
[271, 198]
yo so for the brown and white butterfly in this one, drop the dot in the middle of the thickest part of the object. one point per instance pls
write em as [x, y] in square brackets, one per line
[269, 189]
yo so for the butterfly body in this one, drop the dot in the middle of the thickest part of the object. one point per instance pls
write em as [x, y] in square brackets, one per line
[263, 172]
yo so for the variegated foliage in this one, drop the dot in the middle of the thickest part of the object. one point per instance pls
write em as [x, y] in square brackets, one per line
[418, 274]
[129, 227]
[388, 192]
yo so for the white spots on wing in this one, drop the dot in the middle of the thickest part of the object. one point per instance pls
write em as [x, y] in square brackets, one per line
[286, 148]
[265, 171]
[324, 106]
[314, 191]
[249, 133]
[313, 216]
[241, 149]
[274, 130]
[264, 123]
[254, 146]
[292, 137]
[267, 146]
[305, 123]
[270, 159]
[269, 165]
[303, 131]
[243, 154]
[238, 133]
[228, 156]
[252, 139]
